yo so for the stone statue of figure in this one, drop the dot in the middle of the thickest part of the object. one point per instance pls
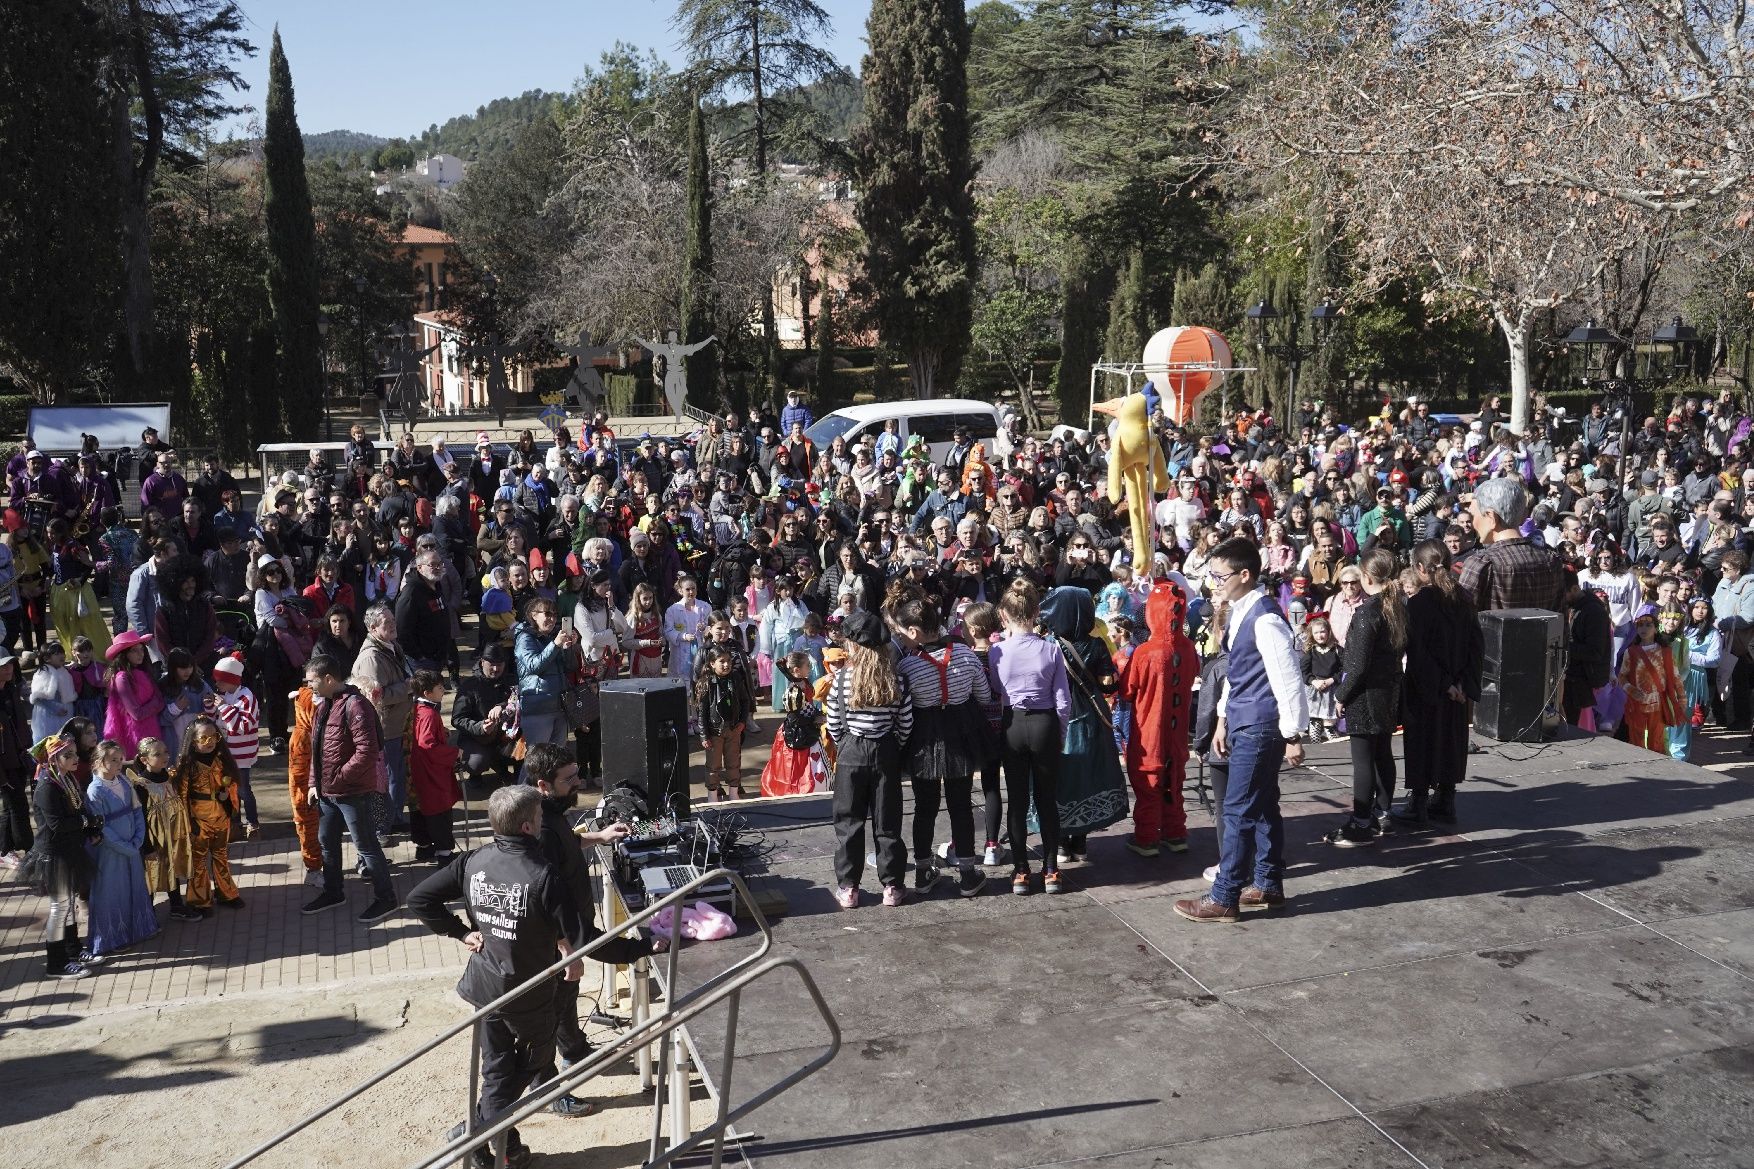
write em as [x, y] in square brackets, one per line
[586, 388]
[672, 353]
[402, 367]
[494, 354]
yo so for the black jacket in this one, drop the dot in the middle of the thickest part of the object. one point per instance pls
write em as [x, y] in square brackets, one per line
[566, 856]
[1444, 649]
[476, 695]
[524, 909]
[423, 627]
[1370, 689]
[1592, 641]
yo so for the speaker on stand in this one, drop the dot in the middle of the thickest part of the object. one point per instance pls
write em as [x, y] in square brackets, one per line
[1524, 661]
[645, 740]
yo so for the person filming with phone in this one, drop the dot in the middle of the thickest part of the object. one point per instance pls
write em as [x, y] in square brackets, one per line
[547, 655]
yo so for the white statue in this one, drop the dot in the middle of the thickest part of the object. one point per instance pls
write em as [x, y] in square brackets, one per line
[672, 353]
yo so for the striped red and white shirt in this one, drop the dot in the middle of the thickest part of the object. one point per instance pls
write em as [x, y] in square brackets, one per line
[241, 720]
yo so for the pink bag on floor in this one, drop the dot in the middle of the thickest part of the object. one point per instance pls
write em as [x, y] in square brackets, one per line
[1586, 719]
[700, 921]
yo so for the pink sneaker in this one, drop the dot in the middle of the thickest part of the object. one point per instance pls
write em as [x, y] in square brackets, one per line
[848, 897]
[893, 896]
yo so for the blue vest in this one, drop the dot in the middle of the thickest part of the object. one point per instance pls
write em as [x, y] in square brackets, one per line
[1251, 694]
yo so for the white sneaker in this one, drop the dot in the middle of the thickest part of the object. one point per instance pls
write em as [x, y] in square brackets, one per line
[993, 856]
[1211, 873]
[943, 851]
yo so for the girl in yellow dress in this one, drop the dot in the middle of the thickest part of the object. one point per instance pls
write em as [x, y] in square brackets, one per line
[172, 862]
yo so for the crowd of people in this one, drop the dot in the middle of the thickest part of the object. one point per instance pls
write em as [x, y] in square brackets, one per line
[902, 615]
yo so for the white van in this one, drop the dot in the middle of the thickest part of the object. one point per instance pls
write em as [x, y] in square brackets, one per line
[934, 420]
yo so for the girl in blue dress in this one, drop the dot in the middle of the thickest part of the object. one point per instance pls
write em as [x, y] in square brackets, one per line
[121, 907]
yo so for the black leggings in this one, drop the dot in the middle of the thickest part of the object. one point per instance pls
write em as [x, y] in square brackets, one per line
[958, 792]
[1032, 767]
[1373, 774]
[588, 748]
[993, 793]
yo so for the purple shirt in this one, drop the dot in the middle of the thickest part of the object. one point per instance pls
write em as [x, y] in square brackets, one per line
[1030, 674]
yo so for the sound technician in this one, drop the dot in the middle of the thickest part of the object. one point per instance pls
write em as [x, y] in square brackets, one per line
[523, 914]
[554, 772]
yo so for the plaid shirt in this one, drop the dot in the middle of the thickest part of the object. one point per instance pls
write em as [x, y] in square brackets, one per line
[1513, 574]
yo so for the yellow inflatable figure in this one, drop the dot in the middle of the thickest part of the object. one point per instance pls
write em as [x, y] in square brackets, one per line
[1136, 468]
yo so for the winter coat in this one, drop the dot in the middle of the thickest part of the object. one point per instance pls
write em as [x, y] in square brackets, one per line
[347, 756]
[381, 673]
[542, 669]
[1370, 688]
[432, 776]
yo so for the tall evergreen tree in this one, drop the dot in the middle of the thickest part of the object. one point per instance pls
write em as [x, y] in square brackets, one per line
[697, 287]
[1129, 318]
[292, 254]
[826, 398]
[771, 50]
[59, 217]
[1205, 298]
[1084, 290]
[915, 174]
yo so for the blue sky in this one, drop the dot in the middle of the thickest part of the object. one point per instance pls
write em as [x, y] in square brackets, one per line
[393, 69]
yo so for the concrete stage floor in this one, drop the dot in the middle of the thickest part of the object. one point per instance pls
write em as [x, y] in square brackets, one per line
[1566, 980]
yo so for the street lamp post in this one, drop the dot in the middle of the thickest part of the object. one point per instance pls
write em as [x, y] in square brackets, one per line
[1679, 339]
[1322, 318]
[323, 344]
[1589, 337]
[365, 371]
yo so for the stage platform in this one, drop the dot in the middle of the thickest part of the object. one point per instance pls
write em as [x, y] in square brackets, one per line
[1565, 979]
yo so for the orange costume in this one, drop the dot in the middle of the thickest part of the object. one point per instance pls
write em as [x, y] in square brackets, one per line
[211, 792]
[977, 461]
[1655, 699]
[298, 778]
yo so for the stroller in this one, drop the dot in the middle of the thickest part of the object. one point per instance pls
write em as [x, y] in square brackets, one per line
[237, 628]
[275, 661]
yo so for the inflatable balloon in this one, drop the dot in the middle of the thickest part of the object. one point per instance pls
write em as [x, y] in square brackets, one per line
[1168, 355]
[1136, 468]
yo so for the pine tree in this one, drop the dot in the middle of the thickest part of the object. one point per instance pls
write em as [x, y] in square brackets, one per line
[1206, 299]
[292, 254]
[697, 294]
[1128, 319]
[915, 172]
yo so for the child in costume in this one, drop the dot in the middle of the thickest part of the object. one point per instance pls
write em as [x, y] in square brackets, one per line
[1654, 696]
[134, 700]
[207, 782]
[432, 770]
[1159, 682]
[1704, 653]
[1321, 673]
[647, 623]
[170, 864]
[121, 907]
[796, 770]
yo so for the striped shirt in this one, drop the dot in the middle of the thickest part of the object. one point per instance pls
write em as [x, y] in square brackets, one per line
[964, 676]
[238, 715]
[866, 722]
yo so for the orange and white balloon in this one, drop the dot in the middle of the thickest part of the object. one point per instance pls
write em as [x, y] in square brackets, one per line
[1184, 362]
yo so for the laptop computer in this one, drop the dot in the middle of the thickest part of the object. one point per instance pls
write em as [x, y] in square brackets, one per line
[663, 879]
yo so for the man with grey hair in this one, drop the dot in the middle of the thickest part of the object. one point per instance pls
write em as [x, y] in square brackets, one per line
[523, 915]
[1509, 570]
[383, 674]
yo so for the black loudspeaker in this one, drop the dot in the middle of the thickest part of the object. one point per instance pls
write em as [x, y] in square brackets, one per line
[645, 740]
[1522, 668]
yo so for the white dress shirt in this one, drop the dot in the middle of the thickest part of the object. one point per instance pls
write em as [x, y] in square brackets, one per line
[1284, 675]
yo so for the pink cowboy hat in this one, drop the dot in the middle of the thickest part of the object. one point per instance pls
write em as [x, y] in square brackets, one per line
[126, 641]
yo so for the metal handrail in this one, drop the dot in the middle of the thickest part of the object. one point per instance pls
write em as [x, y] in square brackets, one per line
[659, 1028]
[675, 897]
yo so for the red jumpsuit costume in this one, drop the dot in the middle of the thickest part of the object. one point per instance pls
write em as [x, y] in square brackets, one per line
[1158, 680]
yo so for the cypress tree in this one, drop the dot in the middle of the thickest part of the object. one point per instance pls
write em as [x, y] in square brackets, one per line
[1128, 319]
[1084, 290]
[825, 395]
[697, 287]
[914, 168]
[292, 255]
